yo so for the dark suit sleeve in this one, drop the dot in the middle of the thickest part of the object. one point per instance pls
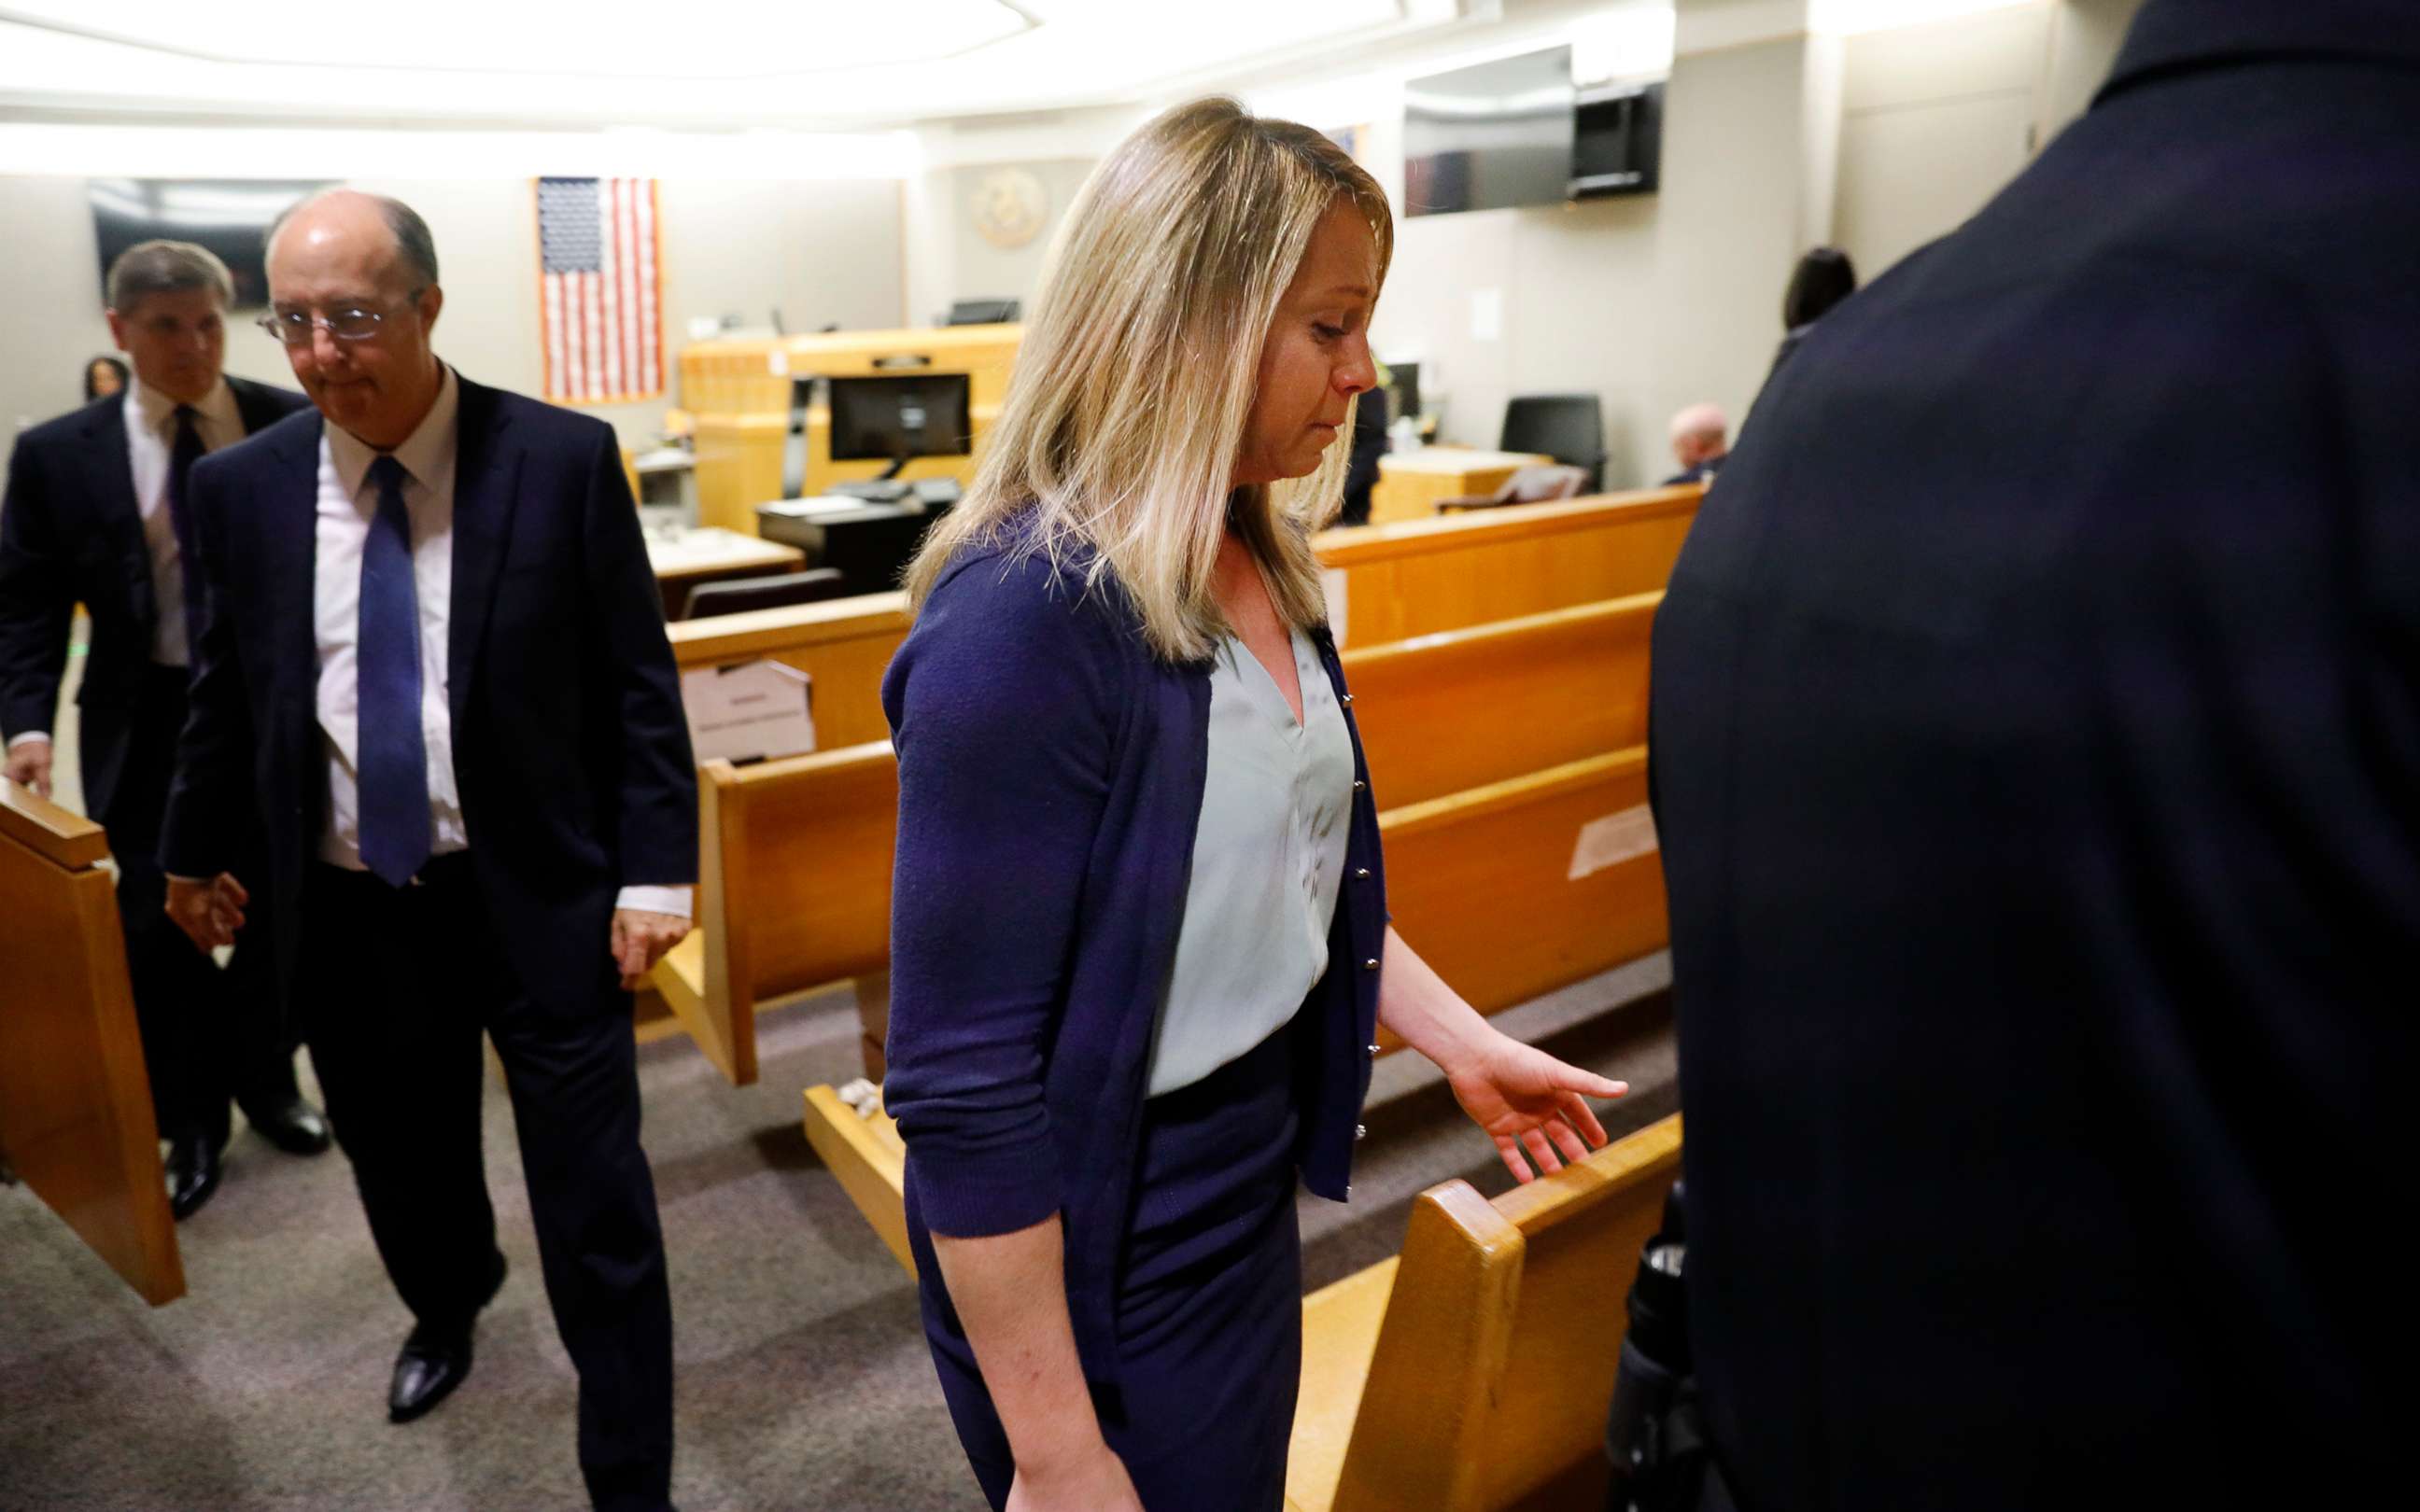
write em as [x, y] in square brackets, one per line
[658, 805]
[36, 598]
[209, 798]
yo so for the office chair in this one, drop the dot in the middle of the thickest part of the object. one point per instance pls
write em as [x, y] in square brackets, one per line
[1568, 427]
[983, 312]
[1526, 486]
[737, 596]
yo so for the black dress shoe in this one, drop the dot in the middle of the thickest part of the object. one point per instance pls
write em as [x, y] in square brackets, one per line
[291, 1124]
[432, 1363]
[193, 1173]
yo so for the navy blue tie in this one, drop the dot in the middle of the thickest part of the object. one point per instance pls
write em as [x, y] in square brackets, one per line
[186, 450]
[393, 754]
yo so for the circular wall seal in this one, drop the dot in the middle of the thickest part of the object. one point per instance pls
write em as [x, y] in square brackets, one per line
[1009, 205]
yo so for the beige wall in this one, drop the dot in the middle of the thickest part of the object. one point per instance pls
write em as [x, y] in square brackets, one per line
[823, 252]
[980, 270]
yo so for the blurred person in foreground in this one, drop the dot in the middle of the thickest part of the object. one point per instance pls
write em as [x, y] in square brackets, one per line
[1140, 950]
[2036, 762]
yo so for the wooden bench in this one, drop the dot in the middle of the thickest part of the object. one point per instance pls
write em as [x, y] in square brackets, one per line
[75, 1099]
[1480, 883]
[1397, 583]
[1467, 1374]
[794, 884]
[1472, 1372]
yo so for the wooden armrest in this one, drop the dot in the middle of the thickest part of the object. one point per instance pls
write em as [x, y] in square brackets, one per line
[1339, 1334]
[869, 1160]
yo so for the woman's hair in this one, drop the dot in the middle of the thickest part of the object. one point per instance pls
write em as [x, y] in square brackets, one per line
[92, 390]
[1822, 279]
[1126, 415]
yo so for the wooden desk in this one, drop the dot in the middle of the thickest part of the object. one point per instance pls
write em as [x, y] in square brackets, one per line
[708, 554]
[1411, 482]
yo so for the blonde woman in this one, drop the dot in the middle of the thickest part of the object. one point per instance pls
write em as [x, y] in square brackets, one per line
[1140, 947]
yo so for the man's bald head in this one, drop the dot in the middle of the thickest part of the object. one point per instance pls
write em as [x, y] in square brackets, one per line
[352, 212]
[1700, 433]
[363, 265]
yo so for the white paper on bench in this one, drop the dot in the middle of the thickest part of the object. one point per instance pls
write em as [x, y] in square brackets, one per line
[1613, 840]
[754, 709]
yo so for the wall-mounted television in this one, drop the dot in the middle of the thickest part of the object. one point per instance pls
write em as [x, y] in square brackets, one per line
[229, 216]
[1487, 137]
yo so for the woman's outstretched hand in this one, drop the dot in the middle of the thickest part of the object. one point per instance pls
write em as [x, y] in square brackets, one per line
[1531, 1103]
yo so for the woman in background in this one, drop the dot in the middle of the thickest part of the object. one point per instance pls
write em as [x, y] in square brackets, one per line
[1822, 279]
[1140, 948]
[104, 377]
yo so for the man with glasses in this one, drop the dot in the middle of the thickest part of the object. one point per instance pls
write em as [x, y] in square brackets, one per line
[96, 514]
[436, 661]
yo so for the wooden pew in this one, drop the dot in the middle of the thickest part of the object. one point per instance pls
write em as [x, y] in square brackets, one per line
[1420, 576]
[1482, 884]
[794, 884]
[75, 1101]
[1473, 1371]
[1398, 582]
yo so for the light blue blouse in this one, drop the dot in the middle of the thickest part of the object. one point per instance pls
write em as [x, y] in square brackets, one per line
[1268, 857]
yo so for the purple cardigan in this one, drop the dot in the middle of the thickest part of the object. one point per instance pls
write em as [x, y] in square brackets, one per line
[1051, 777]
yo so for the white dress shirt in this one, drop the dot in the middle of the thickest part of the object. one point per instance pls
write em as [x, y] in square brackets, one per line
[151, 441]
[347, 504]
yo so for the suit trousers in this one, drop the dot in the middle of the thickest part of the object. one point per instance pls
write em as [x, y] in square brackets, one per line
[208, 1034]
[400, 983]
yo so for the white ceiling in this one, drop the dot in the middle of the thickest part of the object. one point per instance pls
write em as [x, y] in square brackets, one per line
[729, 63]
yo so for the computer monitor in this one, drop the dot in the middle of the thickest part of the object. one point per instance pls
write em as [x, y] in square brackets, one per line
[981, 313]
[895, 419]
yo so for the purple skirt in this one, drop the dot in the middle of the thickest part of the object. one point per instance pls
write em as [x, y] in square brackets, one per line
[1209, 1309]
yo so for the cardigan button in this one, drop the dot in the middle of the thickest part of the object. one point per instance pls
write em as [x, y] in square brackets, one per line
[1359, 785]
[1361, 873]
[1348, 697]
[1373, 1047]
[1371, 965]
[1361, 1131]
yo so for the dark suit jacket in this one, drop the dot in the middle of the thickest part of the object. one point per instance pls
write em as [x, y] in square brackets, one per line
[70, 532]
[570, 749]
[2037, 734]
[1703, 472]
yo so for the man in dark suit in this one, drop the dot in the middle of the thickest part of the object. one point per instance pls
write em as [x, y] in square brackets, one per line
[434, 660]
[96, 514]
[2036, 733]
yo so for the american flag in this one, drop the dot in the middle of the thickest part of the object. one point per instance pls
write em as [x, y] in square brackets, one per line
[602, 289]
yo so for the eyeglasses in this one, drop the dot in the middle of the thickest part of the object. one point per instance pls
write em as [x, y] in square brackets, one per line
[295, 328]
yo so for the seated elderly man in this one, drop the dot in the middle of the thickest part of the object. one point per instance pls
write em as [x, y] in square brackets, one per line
[1702, 440]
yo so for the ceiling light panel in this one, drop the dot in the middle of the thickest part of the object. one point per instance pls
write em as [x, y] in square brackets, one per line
[601, 39]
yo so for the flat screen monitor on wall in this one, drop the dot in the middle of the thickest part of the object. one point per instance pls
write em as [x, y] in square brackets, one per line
[232, 217]
[1487, 137]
